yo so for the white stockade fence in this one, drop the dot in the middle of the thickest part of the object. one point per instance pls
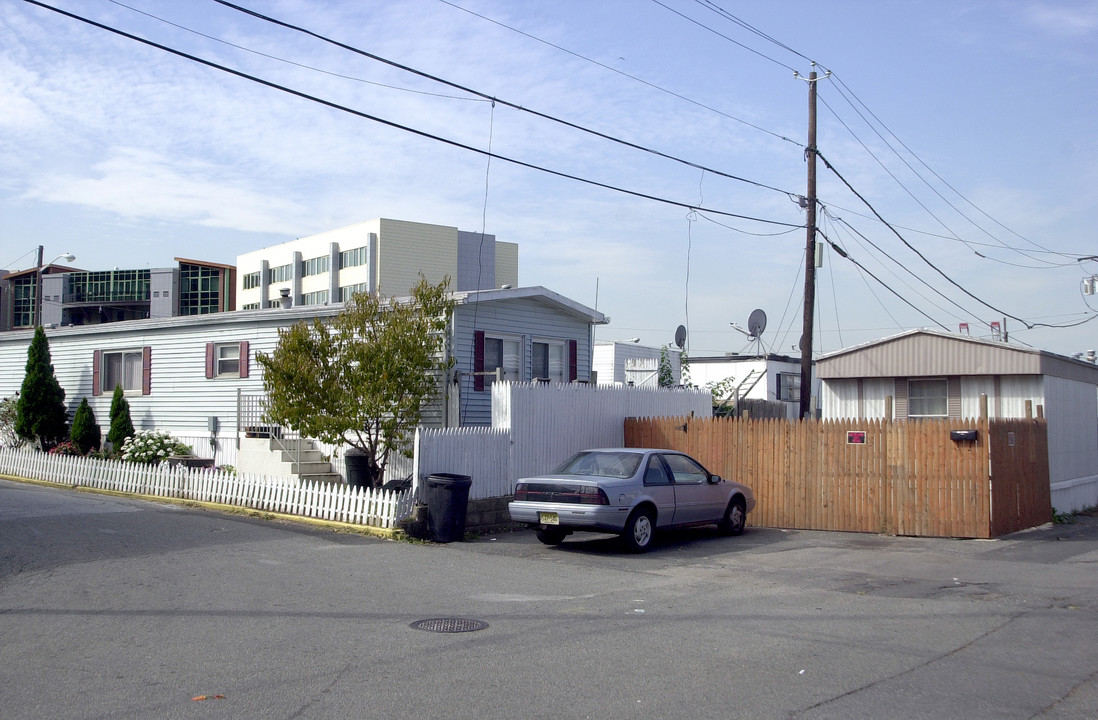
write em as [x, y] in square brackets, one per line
[327, 501]
[535, 427]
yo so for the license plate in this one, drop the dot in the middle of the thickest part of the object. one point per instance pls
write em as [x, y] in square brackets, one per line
[547, 518]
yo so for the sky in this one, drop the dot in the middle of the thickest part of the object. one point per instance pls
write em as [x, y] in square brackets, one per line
[647, 156]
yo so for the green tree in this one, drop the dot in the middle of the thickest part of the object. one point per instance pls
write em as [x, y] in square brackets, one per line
[121, 425]
[40, 410]
[8, 437]
[666, 377]
[85, 434]
[363, 378]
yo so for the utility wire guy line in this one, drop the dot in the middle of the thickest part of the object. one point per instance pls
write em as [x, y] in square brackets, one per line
[392, 124]
[485, 96]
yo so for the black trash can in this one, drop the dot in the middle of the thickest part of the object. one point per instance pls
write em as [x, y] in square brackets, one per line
[447, 503]
[357, 464]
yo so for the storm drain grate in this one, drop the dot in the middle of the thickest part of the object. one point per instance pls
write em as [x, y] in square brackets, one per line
[449, 625]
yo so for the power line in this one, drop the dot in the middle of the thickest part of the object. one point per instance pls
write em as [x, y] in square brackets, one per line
[722, 35]
[291, 62]
[953, 235]
[514, 106]
[392, 124]
[604, 66]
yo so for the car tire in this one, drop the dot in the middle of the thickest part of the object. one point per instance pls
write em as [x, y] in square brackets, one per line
[551, 536]
[735, 518]
[639, 531]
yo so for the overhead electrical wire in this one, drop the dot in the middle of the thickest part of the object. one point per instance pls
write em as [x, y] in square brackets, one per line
[303, 66]
[604, 66]
[702, 25]
[841, 86]
[392, 124]
[953, 235]
[486, 96]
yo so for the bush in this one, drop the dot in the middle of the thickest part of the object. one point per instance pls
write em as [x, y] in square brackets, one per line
[121, 425]
[85, 431]
[152, 446]
[66, 448]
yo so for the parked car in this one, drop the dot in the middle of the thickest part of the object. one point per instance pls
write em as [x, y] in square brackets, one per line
[629, 491]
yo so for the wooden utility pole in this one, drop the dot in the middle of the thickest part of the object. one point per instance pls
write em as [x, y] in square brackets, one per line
[809, 253]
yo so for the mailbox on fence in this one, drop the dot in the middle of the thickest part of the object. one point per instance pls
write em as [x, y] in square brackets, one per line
[962, 435]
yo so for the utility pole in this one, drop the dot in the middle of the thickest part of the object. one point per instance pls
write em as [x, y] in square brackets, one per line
[810, 251]
[38, 291]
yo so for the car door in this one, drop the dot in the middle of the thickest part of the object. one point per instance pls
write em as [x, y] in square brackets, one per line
[695, 497]
[657, 485]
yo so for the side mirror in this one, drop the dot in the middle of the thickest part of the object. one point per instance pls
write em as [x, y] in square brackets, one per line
[714, 479]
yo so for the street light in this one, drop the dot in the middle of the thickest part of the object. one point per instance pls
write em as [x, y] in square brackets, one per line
[67, 257]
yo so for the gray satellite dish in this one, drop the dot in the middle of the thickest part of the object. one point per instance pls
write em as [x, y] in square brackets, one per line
[680, 336]
[756, 323]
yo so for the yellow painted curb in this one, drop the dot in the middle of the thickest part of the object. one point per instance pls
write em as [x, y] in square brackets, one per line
[385, 533]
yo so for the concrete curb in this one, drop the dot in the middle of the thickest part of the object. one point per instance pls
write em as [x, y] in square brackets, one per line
[335, 526]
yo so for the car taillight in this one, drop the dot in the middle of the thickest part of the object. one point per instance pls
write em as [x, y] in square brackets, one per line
[593, 496]
[520, 491]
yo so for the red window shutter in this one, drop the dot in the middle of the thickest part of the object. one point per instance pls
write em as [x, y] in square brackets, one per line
[97, 357]
[146, 370]
[211, 361]
[573, 361]
[243, 358]
[478, 359]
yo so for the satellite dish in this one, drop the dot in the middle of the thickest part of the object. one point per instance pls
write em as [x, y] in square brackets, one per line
[756, 323]
[680, 336]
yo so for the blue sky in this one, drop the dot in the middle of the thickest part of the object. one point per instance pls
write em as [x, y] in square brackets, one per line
[966, 125]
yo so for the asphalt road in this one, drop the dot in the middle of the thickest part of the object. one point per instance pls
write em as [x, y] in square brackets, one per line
[120, 608]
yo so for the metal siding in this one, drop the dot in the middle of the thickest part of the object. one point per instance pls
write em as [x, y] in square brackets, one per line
[930, 355]
[1072, 412]
[972, 387]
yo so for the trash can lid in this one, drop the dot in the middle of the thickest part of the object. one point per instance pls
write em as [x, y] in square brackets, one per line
[449, 480]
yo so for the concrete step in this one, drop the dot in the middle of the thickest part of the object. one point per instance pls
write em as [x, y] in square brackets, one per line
[329, 477]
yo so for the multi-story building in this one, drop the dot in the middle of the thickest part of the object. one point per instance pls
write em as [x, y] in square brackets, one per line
[377, 256]
[92, 297]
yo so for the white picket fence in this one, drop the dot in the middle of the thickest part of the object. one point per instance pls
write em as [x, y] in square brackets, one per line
[340, 503]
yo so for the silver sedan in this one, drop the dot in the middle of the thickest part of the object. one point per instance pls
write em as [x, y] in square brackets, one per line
[629, 491]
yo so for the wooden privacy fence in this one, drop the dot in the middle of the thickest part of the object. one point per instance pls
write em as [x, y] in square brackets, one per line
[873, 476]
[342, 503]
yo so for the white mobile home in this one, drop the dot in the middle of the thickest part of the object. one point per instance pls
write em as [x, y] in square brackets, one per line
[184, 374]
[933, 374]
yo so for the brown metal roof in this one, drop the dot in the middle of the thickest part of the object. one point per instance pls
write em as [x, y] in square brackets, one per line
[931, 353]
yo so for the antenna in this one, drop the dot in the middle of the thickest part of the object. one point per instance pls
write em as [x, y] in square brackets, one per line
[756, 323]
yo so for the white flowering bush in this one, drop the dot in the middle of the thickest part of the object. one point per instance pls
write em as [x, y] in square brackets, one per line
[152, 446]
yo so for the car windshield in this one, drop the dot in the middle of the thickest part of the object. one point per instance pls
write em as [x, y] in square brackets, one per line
[603, 464]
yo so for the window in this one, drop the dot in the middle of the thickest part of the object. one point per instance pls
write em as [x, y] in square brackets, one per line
[282, 273]
[199, 289]
[352, 258]
[685, 471]
[655, 474]
[548, 361]
[250, 306]
[789, 386]
[490, 353]
[129, 369]
[928, 398]
[251, 280]
[227, 360]
[315, 298]
[314, 266]
[122, 368]
[345, 293]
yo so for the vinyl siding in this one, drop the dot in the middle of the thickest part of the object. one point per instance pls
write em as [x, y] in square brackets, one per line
[525, 318]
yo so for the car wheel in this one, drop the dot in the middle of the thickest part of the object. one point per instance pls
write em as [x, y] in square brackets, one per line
[640, 528]
[551, 536]
[735, 517]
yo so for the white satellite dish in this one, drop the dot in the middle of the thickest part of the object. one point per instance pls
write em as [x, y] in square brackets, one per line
[756, 323]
